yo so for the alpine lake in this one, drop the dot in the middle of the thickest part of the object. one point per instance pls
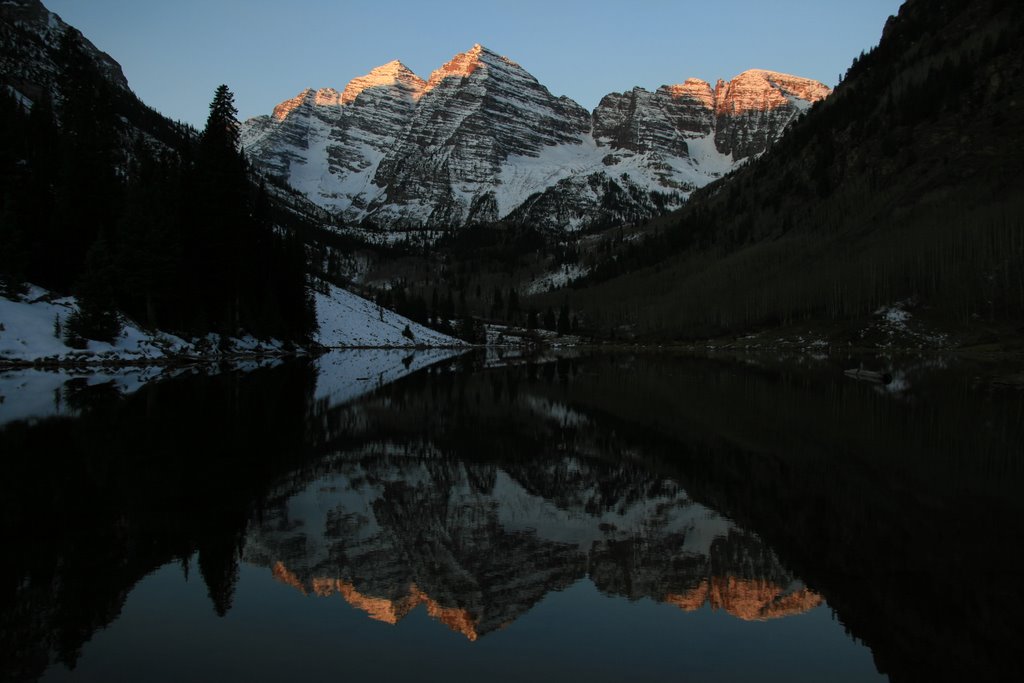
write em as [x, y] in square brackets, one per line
[584, 516]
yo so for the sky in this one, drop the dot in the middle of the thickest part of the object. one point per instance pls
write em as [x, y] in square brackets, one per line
[175, 54]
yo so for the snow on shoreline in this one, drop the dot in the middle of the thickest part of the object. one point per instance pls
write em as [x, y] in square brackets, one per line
[347, 320]
[41, 364]
[31, 326]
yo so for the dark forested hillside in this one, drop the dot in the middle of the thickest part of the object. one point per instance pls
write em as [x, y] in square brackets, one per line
[906, 185]
[106, 199]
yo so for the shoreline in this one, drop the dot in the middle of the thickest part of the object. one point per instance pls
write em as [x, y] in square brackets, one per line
[704, 349]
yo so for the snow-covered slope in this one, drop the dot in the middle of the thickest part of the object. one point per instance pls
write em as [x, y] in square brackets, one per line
[348, 320]
[31, 330]
[31, 325]
[329, 144]
[481, 140]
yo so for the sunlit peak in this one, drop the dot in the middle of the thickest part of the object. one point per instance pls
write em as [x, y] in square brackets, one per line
[392, 74]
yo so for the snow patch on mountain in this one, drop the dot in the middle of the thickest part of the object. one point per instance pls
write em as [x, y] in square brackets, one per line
[525, 174]
[560, 277]
[309, 169]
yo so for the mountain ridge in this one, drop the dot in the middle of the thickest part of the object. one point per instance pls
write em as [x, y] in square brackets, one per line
[482, 140]
[32, 18]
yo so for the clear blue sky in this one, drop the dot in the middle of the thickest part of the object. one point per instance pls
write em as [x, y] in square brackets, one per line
[176, 53]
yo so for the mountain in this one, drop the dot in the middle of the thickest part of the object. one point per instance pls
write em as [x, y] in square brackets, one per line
[481, 140]
[133, 214]
[30, 34]
[150, 225]
[900, 192]
[31, 68]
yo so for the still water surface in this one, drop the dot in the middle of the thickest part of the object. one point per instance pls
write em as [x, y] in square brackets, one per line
[374, 515]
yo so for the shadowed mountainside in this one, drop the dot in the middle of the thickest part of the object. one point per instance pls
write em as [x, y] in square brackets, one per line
[905, 185]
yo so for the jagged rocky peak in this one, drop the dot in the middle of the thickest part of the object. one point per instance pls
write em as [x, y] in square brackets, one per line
[478, 111]
[324, 97]
[459, 66]
[761, 90]
[754, 109]
[661, 122]
[393, 74]
[693, 89]
[744, 115]
[284, 109]
[466, 63]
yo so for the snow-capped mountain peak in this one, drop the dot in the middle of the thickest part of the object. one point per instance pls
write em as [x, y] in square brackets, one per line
[760, 90]
[466, 63]
[694, 89]
[393, 74]
[482, 140]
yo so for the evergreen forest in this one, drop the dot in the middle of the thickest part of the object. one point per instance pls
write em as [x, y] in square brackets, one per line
[178, 233]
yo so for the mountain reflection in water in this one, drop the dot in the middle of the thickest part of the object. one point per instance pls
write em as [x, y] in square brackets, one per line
[478, 543]
[626, 488]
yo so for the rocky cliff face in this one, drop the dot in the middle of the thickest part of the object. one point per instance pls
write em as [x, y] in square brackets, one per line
[481, 140]
[643, 122]
[30, 36]
[478, 112]
[754, 108]
[33, 69]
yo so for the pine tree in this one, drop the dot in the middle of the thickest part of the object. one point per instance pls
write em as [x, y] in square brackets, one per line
[13, 234]
[86, 186]
[250, 279]
[549, 320]
[148, 249]
[222, 215]
[221, 135]
[563, 320]
[498, 304]
[96, 317]
[512, 312]
[531, 319]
